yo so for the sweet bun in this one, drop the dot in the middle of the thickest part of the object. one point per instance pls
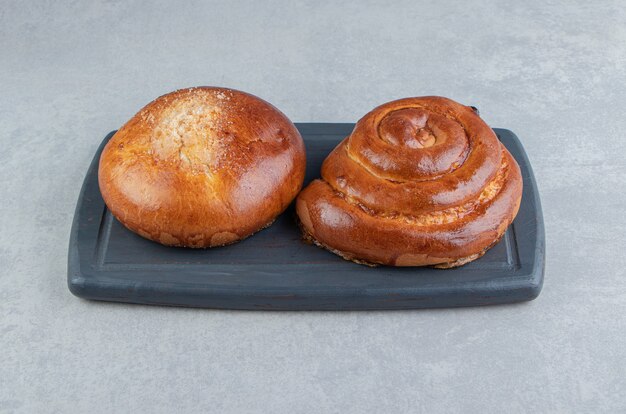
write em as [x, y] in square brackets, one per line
[420, 181]
[202, 167]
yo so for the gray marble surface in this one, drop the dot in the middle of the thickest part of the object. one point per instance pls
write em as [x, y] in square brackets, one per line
[552, 71]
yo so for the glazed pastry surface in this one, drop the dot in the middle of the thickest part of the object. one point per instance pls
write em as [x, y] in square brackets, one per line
[419, 181]
[202, 167]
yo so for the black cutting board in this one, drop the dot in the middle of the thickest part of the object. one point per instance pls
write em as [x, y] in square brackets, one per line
[275, 270]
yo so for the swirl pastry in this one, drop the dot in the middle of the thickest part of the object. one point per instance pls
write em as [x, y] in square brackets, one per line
[419, 182]
[202, 167]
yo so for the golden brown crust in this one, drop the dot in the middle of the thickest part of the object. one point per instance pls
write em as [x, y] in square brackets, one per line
[420, 181]
[202, 167]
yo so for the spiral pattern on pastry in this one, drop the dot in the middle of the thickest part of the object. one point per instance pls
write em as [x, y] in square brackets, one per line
[419, 181]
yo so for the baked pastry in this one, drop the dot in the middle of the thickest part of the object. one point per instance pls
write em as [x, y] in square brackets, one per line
[419, 181]
[202, 167]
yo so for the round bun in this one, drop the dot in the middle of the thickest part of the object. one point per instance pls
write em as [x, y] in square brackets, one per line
[420, 181]
[202, 167]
